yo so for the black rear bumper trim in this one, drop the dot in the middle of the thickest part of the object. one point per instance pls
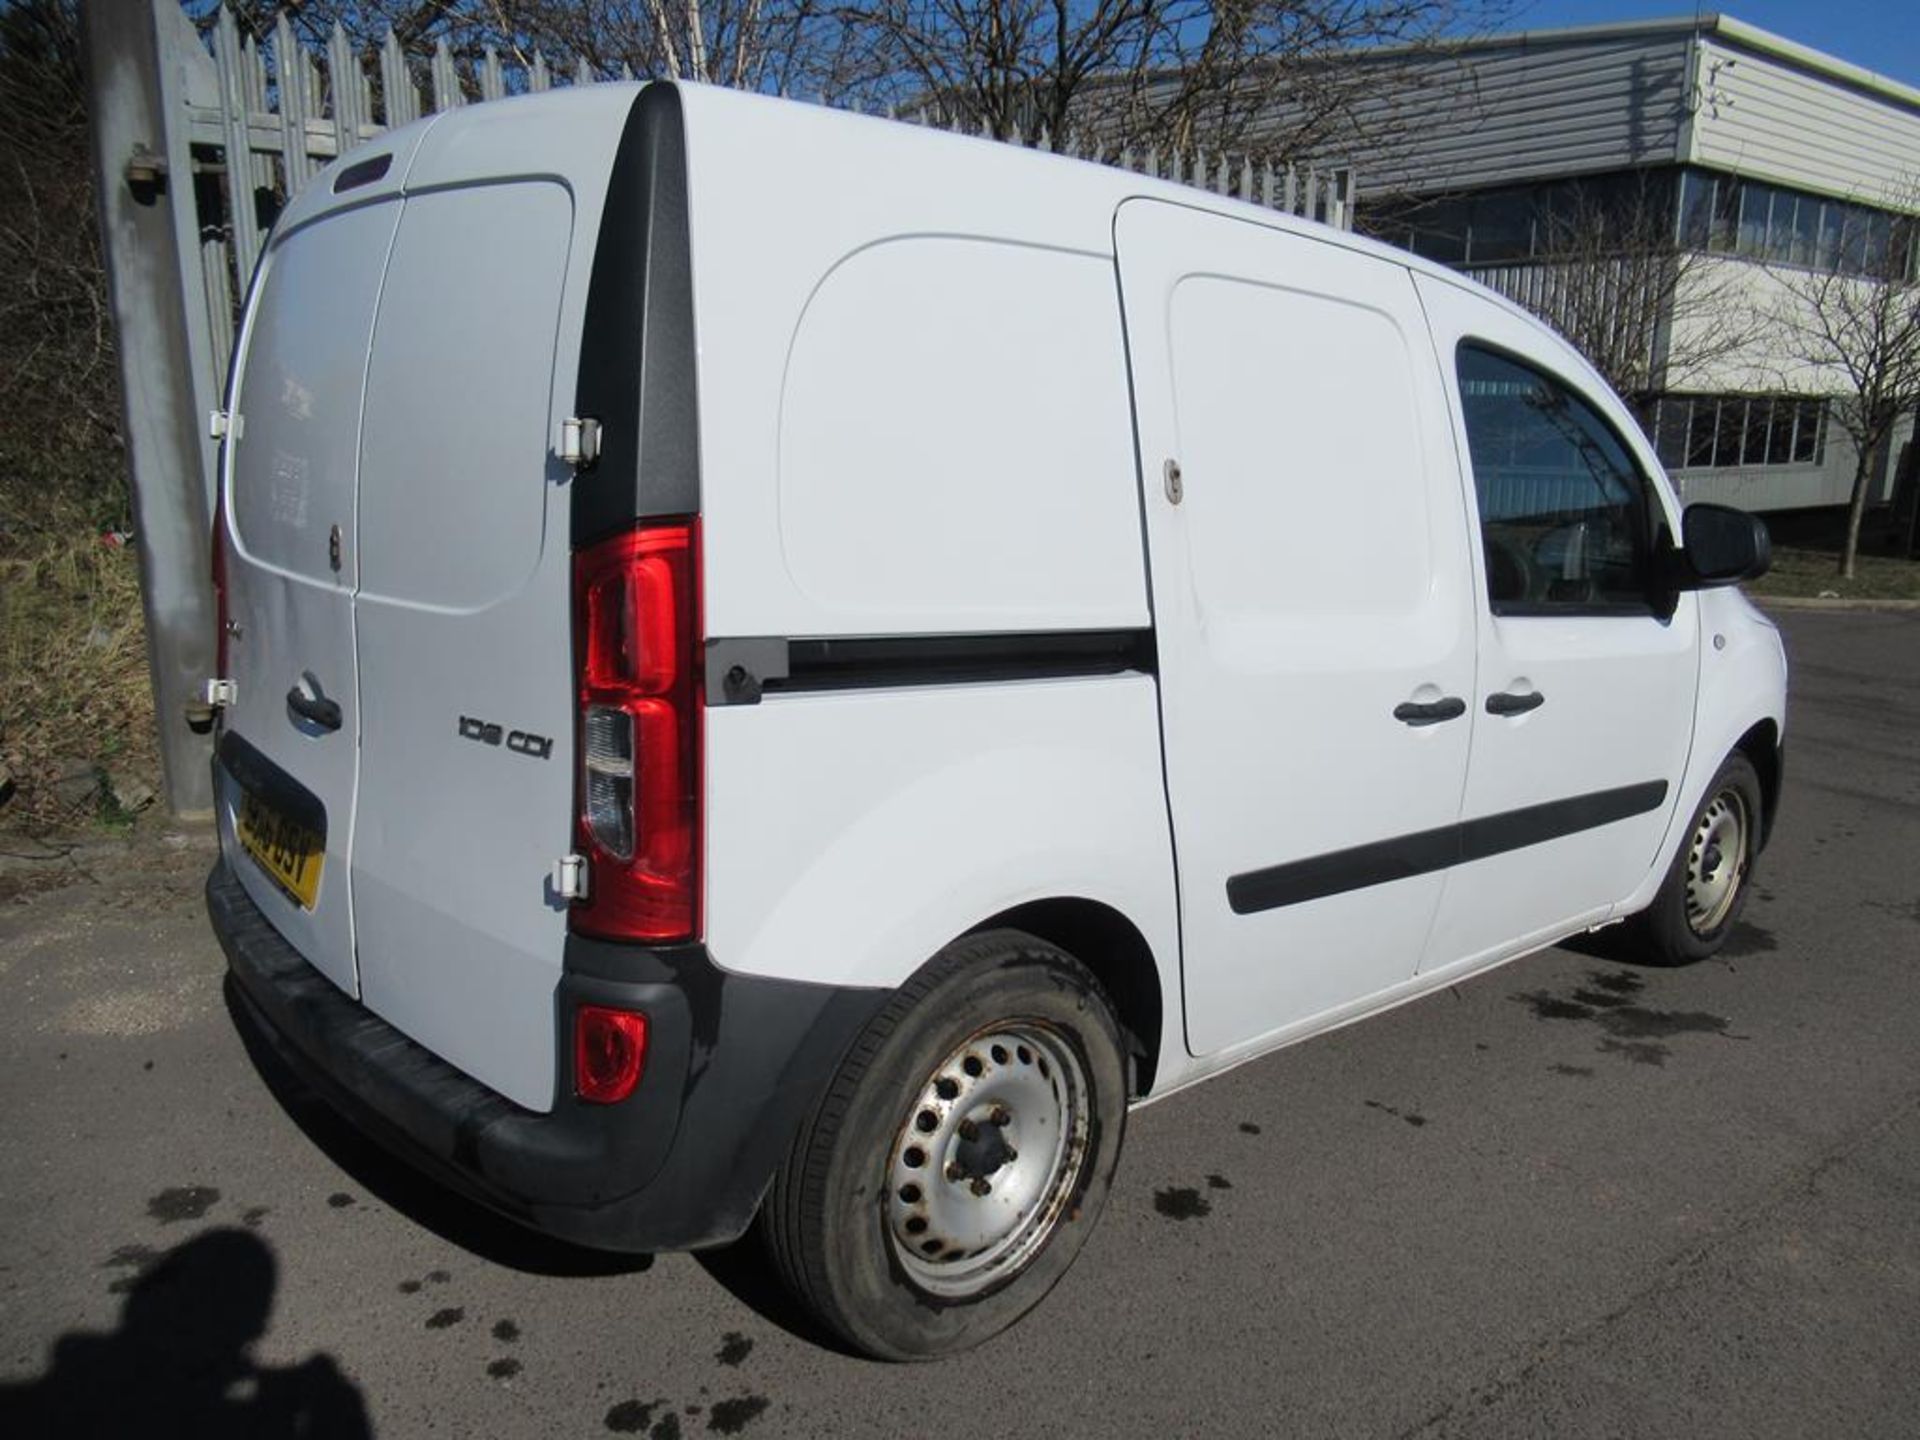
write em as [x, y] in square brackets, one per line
[733, 1062]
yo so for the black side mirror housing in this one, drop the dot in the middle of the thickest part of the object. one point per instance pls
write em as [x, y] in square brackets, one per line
[1721, 546]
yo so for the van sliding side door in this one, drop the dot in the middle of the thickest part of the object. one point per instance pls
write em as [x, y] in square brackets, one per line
[1312, 592]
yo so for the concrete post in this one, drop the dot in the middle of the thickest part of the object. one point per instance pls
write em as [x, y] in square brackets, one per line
[149, 229]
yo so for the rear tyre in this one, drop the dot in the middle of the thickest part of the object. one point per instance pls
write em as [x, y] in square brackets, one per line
[958, 1161]
[1706, 888]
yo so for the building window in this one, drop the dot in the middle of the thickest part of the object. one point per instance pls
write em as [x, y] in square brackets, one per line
[1726, 214]
[1697, 432]
[1629, 209]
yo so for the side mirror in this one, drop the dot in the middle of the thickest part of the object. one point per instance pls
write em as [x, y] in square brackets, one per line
[1722, 546]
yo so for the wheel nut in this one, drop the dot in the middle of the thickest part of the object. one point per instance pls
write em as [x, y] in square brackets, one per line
[1001, 1117]
[954, 1172]
[969, 1130]
[980, 1187]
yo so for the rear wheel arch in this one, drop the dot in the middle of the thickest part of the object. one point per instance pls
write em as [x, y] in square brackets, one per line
[1112, 948]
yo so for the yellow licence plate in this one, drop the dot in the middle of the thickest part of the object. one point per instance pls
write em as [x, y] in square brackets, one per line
[288, 851]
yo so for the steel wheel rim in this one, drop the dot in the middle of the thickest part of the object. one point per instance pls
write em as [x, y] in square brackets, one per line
[1716, 862]
[988, 1157]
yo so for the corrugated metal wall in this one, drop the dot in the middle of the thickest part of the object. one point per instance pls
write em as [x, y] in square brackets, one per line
[1506, 113]
[1760, 117]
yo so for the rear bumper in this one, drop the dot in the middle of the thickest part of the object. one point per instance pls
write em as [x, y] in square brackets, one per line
[733, 1063]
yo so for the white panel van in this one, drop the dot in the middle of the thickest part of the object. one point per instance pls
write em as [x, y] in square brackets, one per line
[781, 665]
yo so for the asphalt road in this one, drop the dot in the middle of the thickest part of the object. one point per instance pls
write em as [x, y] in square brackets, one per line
[1571, 1198]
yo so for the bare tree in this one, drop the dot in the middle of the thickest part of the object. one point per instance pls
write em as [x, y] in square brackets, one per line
[1168, 73]
[59, 418]
[1853, 324]
[1649, 312]
[748, 44]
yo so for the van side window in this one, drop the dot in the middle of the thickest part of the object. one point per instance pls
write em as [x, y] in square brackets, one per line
[1564, 510]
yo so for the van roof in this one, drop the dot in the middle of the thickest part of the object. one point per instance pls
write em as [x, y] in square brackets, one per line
[873, 144]
[1037, 196]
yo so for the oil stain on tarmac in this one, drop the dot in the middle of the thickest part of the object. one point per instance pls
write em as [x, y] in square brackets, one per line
[1181, 1203]
[182, 1202]
[1629, 1031]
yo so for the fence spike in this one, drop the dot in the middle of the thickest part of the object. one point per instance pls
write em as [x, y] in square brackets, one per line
[403, 103]
[229, 61]
[343, 79]
[626, 73]
[290, 61]
[493, 83]
[582, 72]
[254, 66]
[445, 83]
[538, 79]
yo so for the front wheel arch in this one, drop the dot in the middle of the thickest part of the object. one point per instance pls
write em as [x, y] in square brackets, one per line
[1761, 746]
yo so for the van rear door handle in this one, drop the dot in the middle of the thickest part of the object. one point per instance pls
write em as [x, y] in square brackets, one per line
[314, 709]
[1429, 712]
[1505, 702]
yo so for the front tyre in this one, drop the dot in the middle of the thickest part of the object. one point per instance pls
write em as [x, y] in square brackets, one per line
[954, 1167]
[1706, 887]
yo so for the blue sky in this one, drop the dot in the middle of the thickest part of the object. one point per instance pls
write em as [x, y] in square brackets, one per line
[1882, 35]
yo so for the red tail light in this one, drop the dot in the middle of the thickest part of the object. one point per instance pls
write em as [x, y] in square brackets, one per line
[609, 1052]
[637, 634]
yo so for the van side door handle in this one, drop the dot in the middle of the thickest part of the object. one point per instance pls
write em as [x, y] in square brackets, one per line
[1506, 702]
[1429, 712]
[314, 709]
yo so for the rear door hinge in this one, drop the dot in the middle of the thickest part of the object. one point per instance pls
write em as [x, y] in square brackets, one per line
[221, 694]
[579, 442]
[570, 877]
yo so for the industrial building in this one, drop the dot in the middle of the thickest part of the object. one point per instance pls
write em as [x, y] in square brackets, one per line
[1758, 159]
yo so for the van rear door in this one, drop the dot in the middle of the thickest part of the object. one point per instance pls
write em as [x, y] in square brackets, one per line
[288, 472]
[467, 695]
[465, 651]
[402, 550]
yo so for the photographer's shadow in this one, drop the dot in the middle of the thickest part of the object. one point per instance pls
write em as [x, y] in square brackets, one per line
[180, 1363]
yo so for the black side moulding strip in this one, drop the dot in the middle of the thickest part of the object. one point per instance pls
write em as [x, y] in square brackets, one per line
[739, 671]
[1383, 861]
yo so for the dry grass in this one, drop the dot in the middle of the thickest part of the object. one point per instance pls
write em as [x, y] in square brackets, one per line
[75, 702]
[1812, 573]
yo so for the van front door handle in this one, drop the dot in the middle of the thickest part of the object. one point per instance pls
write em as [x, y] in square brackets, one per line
[1429, 712]
[314, 709]
[1506, 702]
